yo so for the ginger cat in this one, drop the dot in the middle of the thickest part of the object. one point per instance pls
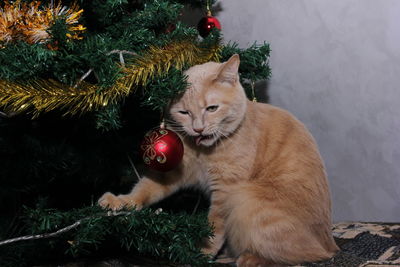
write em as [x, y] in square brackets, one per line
[260, 166]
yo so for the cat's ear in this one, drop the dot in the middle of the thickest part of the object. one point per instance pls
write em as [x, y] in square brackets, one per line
[229, 70]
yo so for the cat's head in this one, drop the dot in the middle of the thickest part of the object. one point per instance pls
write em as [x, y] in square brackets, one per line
[214, 104]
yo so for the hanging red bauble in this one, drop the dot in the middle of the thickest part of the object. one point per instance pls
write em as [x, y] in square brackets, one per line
[161, 149]
[206, 24]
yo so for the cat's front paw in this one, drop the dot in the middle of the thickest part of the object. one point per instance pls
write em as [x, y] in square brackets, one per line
[212, 251]
[111, 201]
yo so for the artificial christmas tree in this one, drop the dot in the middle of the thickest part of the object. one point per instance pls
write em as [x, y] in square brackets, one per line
[80, 84]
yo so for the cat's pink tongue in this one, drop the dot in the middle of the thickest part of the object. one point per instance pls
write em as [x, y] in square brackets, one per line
[198, 139]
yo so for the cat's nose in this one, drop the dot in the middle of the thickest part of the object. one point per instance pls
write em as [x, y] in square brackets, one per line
[198, 130]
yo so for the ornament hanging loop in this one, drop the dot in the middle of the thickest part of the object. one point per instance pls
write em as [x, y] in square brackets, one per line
[162, 124]
[253, 92]
[162, 115]
[208, 8]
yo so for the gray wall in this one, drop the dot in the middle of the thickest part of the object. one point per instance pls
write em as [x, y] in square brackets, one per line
[336, 66]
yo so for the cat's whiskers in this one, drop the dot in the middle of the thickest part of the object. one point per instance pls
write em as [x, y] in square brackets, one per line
[184, 135]
[216, 134]
[181, 131]
[222, 137]
[171, 121]
[220, 141]
[216, 129]
[173, 125]
[175, 128]
[213, 130]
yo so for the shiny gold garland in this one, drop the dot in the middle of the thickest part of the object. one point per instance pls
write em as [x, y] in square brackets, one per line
[40, 95]
[30, 22]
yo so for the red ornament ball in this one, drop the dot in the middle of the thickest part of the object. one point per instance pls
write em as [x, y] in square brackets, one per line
[161, 149]
[206, 24]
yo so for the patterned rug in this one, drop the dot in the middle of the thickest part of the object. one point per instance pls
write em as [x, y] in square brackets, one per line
[361, 244]
[365, 244]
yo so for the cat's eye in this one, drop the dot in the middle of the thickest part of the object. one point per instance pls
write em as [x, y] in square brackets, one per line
[212, 108]
[184, 112]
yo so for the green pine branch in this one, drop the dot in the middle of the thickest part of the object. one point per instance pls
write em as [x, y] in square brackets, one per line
[168, 237]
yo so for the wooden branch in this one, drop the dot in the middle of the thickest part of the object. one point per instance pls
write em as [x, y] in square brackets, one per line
[62, 230]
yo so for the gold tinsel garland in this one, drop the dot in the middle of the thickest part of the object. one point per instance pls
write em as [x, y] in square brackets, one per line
[45, 95]
[30, 22]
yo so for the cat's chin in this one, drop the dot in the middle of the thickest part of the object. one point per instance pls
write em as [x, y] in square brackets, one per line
[207, 140]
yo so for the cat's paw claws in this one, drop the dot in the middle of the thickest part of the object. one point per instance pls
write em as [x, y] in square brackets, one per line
[111, 201]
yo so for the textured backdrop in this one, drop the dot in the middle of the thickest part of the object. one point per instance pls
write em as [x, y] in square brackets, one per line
[336, 66]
